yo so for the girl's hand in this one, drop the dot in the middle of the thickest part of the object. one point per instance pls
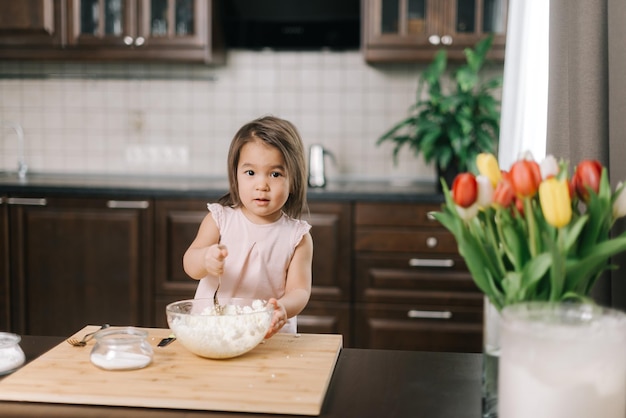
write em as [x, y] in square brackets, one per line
[279, 318]
[214, 259]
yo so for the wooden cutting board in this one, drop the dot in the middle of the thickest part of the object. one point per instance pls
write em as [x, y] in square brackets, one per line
[287, 374]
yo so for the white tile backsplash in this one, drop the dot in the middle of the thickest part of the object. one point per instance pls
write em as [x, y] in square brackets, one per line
[88, 124]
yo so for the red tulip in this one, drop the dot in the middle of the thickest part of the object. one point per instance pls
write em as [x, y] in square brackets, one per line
[504, 193]
[587, 176]
[465, 190]
[525, 177]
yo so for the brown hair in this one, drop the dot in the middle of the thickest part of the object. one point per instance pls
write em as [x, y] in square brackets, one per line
[284, 136]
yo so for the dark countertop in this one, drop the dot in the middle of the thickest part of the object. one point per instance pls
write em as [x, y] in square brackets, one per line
[201, 187]
[365, 383]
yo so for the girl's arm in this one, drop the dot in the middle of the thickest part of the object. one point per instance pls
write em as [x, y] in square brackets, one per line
[297, 288]
[205, 255]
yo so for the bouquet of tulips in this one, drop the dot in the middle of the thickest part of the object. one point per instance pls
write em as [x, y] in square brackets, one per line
[534, 233]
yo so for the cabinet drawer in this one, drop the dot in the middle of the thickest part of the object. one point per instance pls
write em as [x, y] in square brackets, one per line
[433, 241]
[418, 327]
[391, 278]
[395, 214]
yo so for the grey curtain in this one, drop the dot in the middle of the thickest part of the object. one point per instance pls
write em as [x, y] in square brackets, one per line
[586, 100]
[617, 130]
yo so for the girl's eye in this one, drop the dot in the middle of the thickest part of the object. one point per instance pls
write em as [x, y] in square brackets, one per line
[249, 172]
[276, 174]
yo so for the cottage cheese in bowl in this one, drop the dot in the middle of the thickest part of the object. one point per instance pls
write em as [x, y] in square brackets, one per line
[204, 331]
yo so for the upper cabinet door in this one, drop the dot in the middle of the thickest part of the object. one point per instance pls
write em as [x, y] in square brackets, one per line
[414, 30]
[139, 23]
[31, 23]
[174, 22]
[468, 21]
[406, 23]
[102, 22]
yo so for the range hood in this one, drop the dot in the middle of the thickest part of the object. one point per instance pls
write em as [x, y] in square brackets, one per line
[292, 24]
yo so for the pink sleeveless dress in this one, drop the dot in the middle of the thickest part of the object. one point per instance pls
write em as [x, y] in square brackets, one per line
[258, 256]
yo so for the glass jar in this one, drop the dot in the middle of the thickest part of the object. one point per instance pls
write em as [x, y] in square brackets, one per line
[11, 354]
[121, 349]
[562, 360]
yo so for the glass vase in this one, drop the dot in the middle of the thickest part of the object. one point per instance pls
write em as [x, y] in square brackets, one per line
[491, 355]
[562, 360]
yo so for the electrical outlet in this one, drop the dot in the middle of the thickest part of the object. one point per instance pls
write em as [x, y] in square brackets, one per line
[157, 155]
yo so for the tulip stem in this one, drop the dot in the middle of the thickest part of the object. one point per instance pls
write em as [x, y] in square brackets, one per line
[532, 226]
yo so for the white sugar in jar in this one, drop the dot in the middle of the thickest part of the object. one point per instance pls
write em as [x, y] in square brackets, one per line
[11, 354]
[121, 349]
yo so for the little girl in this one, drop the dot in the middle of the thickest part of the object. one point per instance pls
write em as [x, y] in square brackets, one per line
[253, 238]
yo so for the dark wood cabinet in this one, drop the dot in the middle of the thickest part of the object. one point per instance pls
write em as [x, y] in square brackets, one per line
[414, 30]
[31, 24]
[177, 222]
[329, 309]
[111, 30]
[176, 226]
[5, 298]
[78, 261]
[412, 289]
[385, 274]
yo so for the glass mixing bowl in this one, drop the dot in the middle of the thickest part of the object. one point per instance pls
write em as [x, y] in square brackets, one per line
[239, 328]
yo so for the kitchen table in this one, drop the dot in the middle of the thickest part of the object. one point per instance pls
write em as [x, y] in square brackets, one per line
[365, 383]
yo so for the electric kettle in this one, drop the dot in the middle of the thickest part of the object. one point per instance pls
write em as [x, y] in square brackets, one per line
[317, 171]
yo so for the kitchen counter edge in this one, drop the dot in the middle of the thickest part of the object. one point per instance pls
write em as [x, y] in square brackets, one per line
[206, 187]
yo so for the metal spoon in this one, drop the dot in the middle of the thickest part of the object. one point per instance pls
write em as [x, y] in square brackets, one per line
[216, 303]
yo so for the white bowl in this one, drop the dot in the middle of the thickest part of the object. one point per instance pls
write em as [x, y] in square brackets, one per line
[238, 329]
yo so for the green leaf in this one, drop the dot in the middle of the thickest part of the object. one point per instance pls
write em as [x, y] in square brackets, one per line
[512, 286]
[572, 232]
[581, 273]
[536, 268]
[437, 67]
[466, 79]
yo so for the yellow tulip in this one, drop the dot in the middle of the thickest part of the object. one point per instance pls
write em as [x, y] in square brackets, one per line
[488, 166]
[555, 202]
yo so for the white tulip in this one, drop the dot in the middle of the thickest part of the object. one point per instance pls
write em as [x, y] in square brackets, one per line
[619, 205]
[485, 191]
[549, 167]
[467, 213]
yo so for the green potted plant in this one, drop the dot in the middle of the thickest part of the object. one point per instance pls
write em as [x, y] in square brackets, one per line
[451, 128]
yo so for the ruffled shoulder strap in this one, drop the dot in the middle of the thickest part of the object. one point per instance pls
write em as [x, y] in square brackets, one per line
[217, 211]
[301, 228]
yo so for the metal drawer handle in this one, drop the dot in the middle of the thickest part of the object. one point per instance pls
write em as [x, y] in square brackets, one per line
[26, 201]
[128, 204]
[431, 262]
[429, 314]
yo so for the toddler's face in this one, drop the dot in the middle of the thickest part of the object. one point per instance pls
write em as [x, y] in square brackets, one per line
[263, 182]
